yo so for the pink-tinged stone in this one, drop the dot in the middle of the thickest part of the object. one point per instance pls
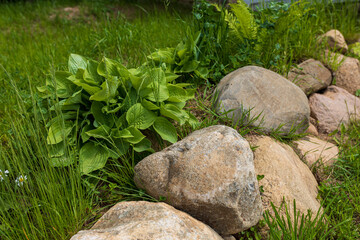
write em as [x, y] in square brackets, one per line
[334, 107]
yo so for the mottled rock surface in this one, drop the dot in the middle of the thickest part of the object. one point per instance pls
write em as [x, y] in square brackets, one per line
[311, 76]
[285, 176]
[316, 152]
[335, 40]
[210, 175]
[265, 93]
[147, 221]
[347, 76]
[333, 107]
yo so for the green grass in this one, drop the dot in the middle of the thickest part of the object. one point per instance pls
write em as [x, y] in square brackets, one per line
[36, 39]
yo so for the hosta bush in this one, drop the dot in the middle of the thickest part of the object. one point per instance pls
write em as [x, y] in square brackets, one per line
[102, 109]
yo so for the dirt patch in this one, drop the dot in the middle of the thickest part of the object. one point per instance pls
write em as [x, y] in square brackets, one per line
[72, 14]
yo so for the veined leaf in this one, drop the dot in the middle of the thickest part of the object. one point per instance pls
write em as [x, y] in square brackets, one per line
[81, 83]
[116, 133]
[171, 76]
[139, 117]
[90, 75]
[64, 87]
[173, 112]
[137, 135]
[100, 117]
[107, 92]
[62, 161]
[178, 94]
[159, 92]
[166, 55]
[109, 67]
[144, 145]
[59, 131]
[76, 62]
[92, 157]
[165, 129]
[100, 132]
[149, 105]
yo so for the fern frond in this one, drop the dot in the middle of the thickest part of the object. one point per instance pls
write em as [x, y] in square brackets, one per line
[242, 22]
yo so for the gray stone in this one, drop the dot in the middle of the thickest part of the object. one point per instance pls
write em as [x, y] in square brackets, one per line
[147, 221]
[311, 76]
[264, 93]
[210, 175]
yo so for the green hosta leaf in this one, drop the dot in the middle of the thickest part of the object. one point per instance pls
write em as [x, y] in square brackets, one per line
[116, 133]
[121, 121]
[166, 55]
[149, 105]
[63, 116]
[90, 75]
[107, 92]
[112, 108]
[81, 83]
[178, 94]
[109, 67]
[100, 132]
[144, 145]
[64, 87]
[202, 72]
[76, 62]
[57, 150]
[59, 131]
[83, 135]
[141, 82]
[171, 76]
[137, 135]
[165, 129]
[189, 66]
[140, 117]
[62, 161]
[130, 99]
[173, 112]
[159, 92]
[100, 117]
[180, 105]
[92, 157]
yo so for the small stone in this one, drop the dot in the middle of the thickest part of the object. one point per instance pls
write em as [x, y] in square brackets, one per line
[347, 76]
[334, 107]
[316, 152]
[335, 40]
[311, 76]
[312, 130]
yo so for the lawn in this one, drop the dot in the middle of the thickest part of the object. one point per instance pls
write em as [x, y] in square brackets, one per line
[49, 189]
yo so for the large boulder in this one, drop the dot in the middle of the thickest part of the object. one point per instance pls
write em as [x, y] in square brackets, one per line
[285, 176]
[147, 221]
[335, 40]
[265, 94]
[210, 175]
[347, 76]
[316, 152]
[311, 76]
[334, 107]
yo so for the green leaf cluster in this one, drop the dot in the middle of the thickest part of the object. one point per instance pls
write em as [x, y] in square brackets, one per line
[105, 107]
